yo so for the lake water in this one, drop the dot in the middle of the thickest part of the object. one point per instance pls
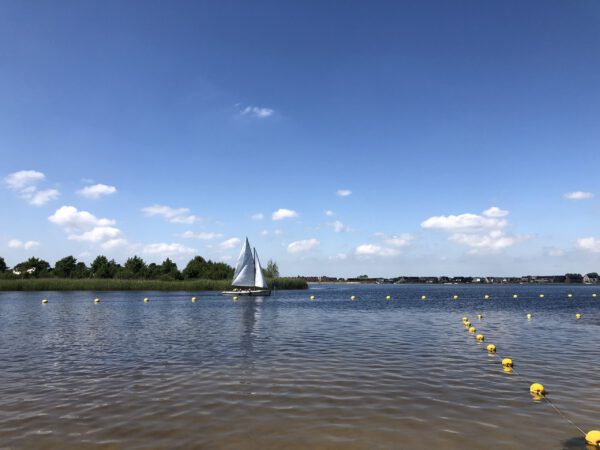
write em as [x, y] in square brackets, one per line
[288, 372]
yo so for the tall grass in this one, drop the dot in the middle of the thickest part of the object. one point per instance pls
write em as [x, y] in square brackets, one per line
[92, 284]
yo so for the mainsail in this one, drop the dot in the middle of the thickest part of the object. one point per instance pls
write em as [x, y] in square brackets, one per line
[259, 280]
[244, 270]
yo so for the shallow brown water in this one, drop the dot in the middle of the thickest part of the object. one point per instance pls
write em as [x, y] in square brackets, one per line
[287, 372]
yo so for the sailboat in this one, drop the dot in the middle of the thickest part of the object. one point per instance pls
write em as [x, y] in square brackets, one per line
[248, 277]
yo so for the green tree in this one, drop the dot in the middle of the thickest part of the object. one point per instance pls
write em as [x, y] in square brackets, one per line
[134, 267]
[34, 267]
[591, 274]
[64, 268]
[3, 265]
[169, 270]
[103, 268]
[272, 270]
[198, 267]
[81, 271]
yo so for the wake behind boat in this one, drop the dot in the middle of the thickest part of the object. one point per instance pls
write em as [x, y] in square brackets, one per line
[248, 278]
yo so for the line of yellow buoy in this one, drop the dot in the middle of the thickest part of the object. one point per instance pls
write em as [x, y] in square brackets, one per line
[537, 390]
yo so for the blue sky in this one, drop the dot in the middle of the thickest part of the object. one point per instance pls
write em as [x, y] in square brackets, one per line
[465, 134]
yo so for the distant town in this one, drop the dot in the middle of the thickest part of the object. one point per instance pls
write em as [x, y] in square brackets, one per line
[589, 278]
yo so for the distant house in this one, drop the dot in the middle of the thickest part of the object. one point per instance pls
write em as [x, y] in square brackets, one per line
[589, 280]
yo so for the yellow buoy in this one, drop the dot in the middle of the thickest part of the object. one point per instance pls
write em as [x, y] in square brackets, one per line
[467, 324]
[353, 297]
[194, 299]
[491, 348]
[507, 362]
[388, 297]
[44, 301]
[96, 300]
[486, 296]
[480, 316]
[455, 297]
[593, 438]
[480, 337]
[235, 298]
[570, 295]
[312, 297]
[578, 316]
[472, 330]
[594, 295]
[423, 297]
[529, 316]
[541, 295]
[515, 296]
[465, 318]
[146, 300]
[537, 389]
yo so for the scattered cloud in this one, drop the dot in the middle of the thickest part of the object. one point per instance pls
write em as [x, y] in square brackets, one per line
[339, 227]
[113, 244]
[276, 232]
[329, 213]
[257, 112]
[375, 250]
[578, 195]
[258, 216]
[96, 191]
[283, 213]
[165, 249]
[343, 192]
[230, 243]
[303, 246]
[481, 233]
[25, 184]
[339, 257]
[590, 244]
[173, 215]
[396, 240]
[16, 243]
[84, 226]
[203, 235]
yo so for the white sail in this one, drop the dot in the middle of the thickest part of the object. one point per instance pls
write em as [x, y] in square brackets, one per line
[244, 271]
[259, 280]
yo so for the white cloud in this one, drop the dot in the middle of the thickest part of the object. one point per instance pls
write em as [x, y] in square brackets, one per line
[283, 213]
[495, 240]
[258, 112]
[339, 227]
[344, 192]
[375, 250]
[203, 235]
[97, 234]
[329, 213]
[230, 243]
[303, 246]
[258, 216]
[590, 244]
[275, 232]
[72, 219]
[173, 215]
[25, 184]
[494, 211]
[578, 195]
[464, 222]
[112, 244]
[172, 249]
[42, 197]
[339, 257]
[15, 243]
[96, 191]
[24, 178]
[396, 240]
[481, 233]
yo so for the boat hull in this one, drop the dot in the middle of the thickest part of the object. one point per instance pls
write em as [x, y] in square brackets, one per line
[249, 292]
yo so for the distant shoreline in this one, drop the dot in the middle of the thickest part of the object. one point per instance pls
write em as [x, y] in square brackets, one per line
[110, 284]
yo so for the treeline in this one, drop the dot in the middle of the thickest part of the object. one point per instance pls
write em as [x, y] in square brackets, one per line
[135, 268]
